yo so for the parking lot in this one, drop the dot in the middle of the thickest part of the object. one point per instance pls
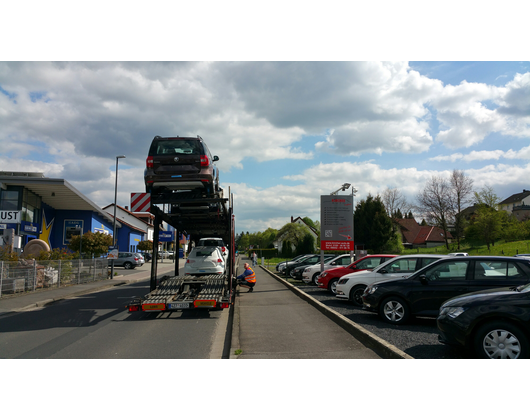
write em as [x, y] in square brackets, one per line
[418, 338]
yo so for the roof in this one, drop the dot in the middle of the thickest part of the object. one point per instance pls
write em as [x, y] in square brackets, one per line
[415, 234]
[515, 198]
[311, 228]
[136, 215]
[123, 222]
[55, 192]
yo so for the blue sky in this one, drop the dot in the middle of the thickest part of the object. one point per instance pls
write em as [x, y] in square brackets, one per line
[285, 132]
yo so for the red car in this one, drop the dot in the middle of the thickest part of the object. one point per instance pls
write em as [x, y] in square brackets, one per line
[329, 278]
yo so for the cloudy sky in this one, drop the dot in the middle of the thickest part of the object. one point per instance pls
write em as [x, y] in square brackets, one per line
[285, 132]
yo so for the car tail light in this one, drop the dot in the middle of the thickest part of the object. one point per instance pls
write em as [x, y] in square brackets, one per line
[149, 162]
[223, 249]
[205, 161]
[219, 260]
[136, 258]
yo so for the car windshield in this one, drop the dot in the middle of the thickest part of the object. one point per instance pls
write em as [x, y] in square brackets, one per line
[177, 147]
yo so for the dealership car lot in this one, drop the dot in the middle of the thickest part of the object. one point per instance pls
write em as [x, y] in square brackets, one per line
[418, 338]
[423, 292]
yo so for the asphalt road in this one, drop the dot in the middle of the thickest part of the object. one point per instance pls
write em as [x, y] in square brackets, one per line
[98, 326]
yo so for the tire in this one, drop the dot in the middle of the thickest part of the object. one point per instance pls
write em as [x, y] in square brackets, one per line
[127, 265]
[332, 285]
[394, 310]
[501, 340]
[315, 281]
[356, 294]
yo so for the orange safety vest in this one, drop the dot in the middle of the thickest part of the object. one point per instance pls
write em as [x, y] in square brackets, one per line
[252, 277]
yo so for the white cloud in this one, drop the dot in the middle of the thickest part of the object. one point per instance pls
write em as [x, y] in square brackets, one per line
[479, 155]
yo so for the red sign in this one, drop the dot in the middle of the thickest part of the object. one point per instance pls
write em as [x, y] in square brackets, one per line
[337, 245]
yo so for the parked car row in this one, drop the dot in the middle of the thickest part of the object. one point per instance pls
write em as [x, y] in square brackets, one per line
[481, 303]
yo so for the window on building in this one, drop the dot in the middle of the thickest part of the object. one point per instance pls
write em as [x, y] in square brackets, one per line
[31, 205]
[9, 200]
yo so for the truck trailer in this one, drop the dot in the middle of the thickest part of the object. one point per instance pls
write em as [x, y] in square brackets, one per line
[197, 217]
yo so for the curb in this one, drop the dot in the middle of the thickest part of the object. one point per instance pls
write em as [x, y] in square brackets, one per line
[362, 334]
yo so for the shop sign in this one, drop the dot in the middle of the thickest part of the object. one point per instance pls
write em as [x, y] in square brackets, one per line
[10, 216]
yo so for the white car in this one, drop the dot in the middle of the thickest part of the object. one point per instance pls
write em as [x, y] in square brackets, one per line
[351, 286]
[215, 242]
[205, 260]
[311, 273]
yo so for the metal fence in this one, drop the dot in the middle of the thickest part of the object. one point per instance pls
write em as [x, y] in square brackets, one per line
[28, 276]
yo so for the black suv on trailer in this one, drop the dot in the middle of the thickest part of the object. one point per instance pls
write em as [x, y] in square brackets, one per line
[181, 164]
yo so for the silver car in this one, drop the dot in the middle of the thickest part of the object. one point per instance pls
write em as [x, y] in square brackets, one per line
[128, 260]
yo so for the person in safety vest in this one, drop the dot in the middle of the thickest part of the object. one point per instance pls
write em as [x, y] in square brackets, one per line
[248, 278]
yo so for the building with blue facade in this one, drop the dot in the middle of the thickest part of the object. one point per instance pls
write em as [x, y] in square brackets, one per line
[53, 210]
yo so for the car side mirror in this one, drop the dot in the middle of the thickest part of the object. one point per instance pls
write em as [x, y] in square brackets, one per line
[383, 271]
[354, 267]
[423, 279]
[215, 158]
[333, 263]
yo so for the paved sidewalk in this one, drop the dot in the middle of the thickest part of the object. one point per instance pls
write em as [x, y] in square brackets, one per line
[272, 322]
[24, 301]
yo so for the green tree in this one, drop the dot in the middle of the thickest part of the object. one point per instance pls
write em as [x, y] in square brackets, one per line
[293, 232]
[145, 245]
[488, 223]
[373, 226]
[307, 245]
[93, 243]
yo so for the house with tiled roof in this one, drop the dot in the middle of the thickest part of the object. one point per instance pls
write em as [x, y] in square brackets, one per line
[518, 205]
[299, 221]
[414, 235]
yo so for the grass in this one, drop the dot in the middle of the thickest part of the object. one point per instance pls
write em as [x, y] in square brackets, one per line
[500, 248]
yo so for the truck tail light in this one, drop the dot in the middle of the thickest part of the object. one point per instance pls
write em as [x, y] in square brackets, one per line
[149, 162]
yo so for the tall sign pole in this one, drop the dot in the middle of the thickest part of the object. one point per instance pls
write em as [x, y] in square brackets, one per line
[336, 224]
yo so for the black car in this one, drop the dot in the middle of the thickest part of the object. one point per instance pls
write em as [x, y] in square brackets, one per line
[492, 324]
[423, 292]
[181, 164]
[307, 260]
[296, 273]
[282, 263]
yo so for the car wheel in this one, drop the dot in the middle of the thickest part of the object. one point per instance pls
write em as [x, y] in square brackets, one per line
[356, 294]
[332, 286]
[394, 310]
[315, 280]
[501, 340]
[127, 265]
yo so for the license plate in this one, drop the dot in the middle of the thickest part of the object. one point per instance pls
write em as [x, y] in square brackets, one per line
[180, 305]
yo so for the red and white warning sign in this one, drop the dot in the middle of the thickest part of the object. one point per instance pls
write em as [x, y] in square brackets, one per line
[140, 202]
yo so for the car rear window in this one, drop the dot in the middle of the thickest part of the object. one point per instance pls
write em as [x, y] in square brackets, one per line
[203, 252]
[211, 243]
[176, 147]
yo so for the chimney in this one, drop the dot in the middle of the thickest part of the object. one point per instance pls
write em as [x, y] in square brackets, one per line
[126, 207]
[292, 220]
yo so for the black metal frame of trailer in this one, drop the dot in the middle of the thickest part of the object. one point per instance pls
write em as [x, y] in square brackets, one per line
[199, 217]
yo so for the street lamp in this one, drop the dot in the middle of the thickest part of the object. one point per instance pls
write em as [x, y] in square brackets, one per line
[114, 241]
[353, 191]
[344, 187]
